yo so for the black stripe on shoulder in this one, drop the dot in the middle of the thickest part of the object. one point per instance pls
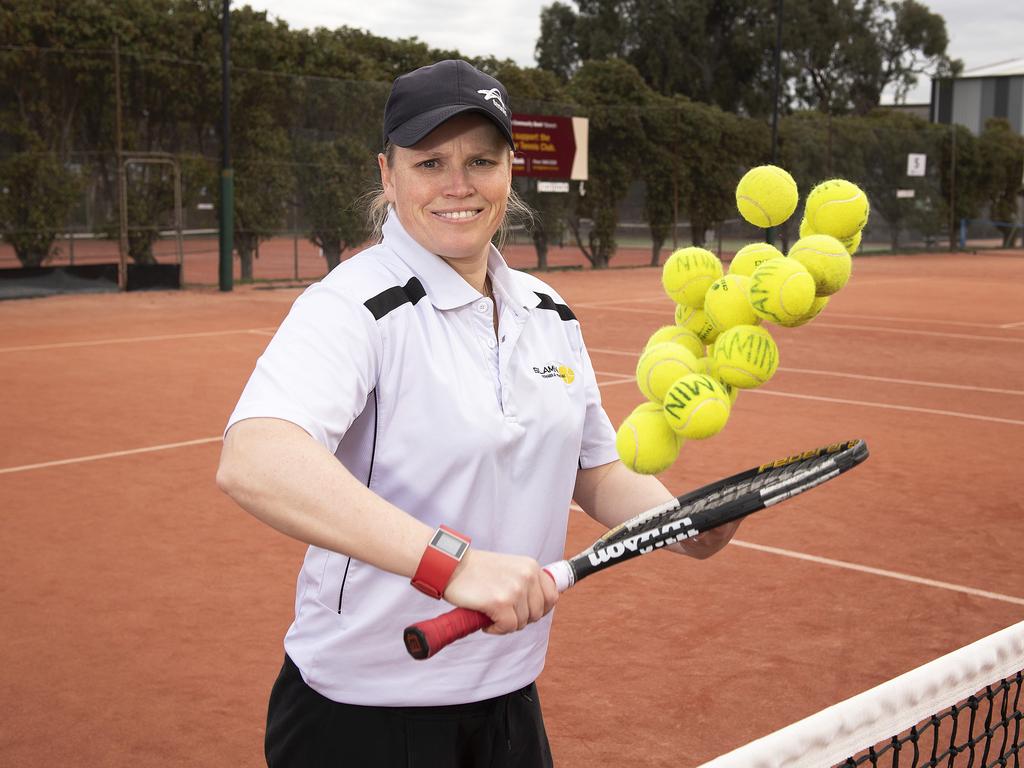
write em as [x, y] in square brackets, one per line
[546, 302]
[393, 298]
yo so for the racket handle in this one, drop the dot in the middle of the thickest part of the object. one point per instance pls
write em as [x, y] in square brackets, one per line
[425, 638]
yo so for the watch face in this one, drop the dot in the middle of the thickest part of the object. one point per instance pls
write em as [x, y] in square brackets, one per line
[450, 545]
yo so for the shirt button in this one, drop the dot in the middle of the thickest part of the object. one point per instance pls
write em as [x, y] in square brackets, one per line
[490, 343]
[482, 306]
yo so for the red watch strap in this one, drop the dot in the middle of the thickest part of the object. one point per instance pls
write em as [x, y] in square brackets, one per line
[437, 565]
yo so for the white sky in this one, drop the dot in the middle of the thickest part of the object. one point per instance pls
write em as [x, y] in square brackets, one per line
[981, 31]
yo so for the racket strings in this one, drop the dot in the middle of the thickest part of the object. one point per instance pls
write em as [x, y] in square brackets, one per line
[779, 482]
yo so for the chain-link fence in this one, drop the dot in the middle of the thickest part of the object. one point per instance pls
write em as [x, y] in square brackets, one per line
[304, 153]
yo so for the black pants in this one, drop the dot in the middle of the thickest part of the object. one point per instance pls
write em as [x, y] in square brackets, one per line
[307, 730]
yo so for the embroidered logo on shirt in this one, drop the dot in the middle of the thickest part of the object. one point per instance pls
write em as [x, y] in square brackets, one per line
[555, 370]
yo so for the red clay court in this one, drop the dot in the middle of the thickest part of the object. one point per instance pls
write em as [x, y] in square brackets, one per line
[144, 612]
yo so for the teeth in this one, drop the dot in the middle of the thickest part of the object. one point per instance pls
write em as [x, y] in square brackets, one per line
[456, 214]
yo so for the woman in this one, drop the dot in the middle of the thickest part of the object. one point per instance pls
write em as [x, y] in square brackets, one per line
[425, 414]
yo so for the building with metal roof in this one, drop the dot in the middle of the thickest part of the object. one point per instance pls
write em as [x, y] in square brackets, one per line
[994, 90]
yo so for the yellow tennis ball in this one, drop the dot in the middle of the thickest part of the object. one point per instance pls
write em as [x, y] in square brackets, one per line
[749, 257]
[781, 291]
[708, 364]
[805, 228]
[851, 244]
[688, 273]
[745, 356]
[813, 312]
[677, 335]
[826, 259]
[696, 320]
[837, 207]
[726, 303]
[645, 442]
[660, 365]
[696, 406]
[766, 196]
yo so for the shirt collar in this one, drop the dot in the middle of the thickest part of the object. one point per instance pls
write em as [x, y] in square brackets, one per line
[445, 287]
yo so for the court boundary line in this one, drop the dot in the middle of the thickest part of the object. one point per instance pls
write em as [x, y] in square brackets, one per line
[133, 339]
[846, 565]
[843, 374]
[879, 328]
[867, 569]
[614, 304]
[110, 455]
[892, 406]
[620, 379]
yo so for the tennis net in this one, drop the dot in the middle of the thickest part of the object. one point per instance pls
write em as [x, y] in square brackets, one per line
[963, 710]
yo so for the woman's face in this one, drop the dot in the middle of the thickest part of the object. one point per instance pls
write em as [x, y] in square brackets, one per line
[450, 190]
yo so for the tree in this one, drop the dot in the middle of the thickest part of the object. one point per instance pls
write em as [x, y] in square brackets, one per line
[911, 41]
[962, 179]
[612, 93]
[842, 55]
[333, 176]
[719, 146]
[884, 139]
[36, 195]
[709, 50]
[662, 172]
[557, 49]
[263, 182]
[538, 92]
[1002, 157]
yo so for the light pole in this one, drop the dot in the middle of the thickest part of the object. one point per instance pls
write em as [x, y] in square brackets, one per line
[227, 177]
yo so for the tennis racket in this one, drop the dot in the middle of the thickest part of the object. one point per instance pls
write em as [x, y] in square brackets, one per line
[677, 520]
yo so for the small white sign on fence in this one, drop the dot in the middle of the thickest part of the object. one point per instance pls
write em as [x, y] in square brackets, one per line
[552, 186]
[916, 164]
[904, 193]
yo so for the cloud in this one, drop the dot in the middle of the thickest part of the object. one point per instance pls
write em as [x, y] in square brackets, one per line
[502, 28]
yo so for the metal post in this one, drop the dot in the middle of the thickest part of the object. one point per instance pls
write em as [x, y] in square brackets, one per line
[295, 242]
[227, 178]
[178, 218]
[769, 234]
[952, 186]
[122, 183]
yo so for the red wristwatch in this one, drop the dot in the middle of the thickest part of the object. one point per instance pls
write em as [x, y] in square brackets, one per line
[440, 559]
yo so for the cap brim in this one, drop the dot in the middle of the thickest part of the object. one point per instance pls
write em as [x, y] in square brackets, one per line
[414, 130]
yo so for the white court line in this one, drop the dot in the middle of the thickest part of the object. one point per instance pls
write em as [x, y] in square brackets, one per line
[867, 569]
[879, 328]
[112, 455]
[666, 312]
[1013, 325]
[935, 321]
[912, 382]
[615, 352]
[131, 339]
[612, 302]
[892, 407]
[911, 332]
[879, 572]
[618, 377]
[842, 375]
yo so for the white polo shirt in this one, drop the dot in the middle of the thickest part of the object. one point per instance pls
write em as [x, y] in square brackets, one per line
[391, 362]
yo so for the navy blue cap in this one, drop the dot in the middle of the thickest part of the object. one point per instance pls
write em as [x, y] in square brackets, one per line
[424, 98]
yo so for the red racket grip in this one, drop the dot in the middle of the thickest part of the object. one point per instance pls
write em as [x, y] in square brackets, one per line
[425, 638]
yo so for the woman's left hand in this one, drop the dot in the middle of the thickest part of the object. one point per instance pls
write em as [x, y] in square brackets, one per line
[708, 543]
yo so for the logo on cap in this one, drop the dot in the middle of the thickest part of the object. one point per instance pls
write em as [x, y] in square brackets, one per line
[492, 94]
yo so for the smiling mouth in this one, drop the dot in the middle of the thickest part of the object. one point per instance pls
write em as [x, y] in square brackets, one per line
[458, 215]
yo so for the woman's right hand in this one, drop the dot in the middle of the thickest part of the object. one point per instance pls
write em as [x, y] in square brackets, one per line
[511, 589]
